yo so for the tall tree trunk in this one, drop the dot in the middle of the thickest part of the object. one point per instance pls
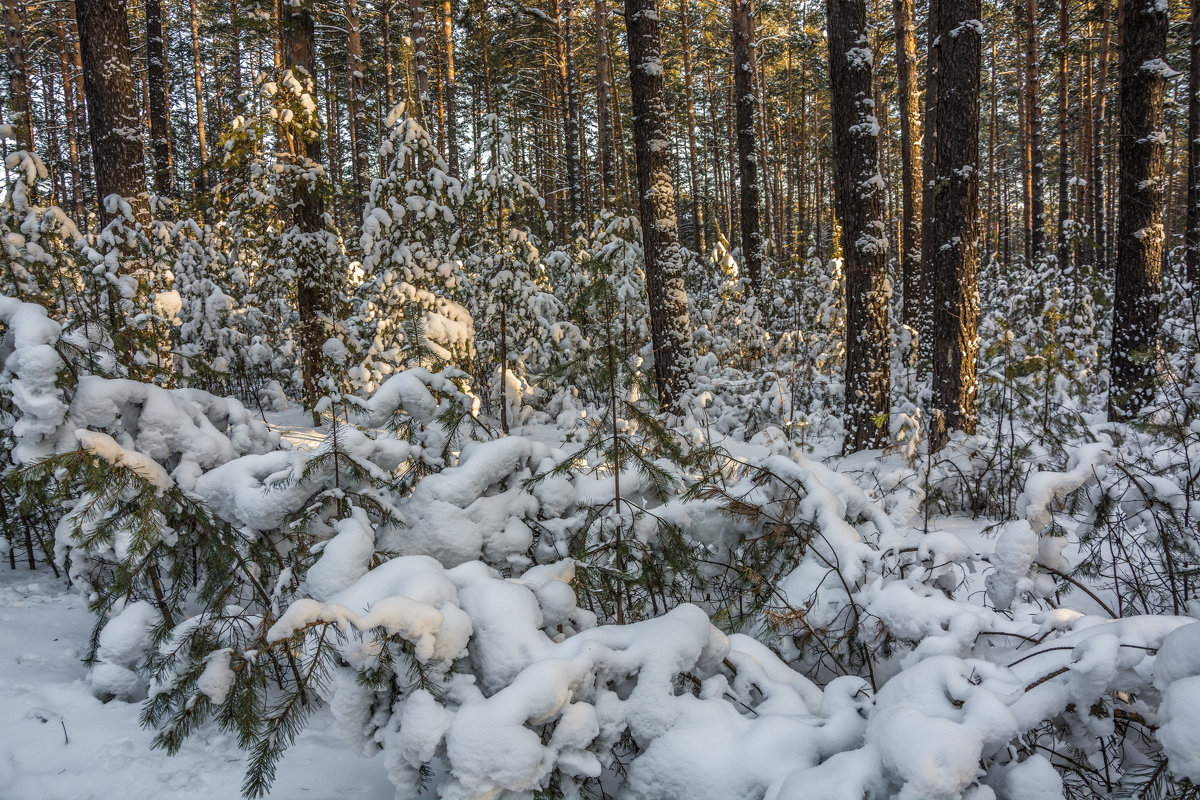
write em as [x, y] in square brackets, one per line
[357, 116]
[451, 88]
[669, 327]
[73, 132]
[313, 300]
[1140, 223]
[858, 191]
[697, 219]
[747, 108]
[1099, 130]
[235, 54]
[955, 219]
[1033, 113]
[1087, 151]
[928, 153]
[1064, 161]
[910, 160]
[570, 110]
[992, 210]
[20, 106]
[113, 120]
[604, 120]
[86, 158]
[1193, 189]
[389, 70]
[198, 73]
[420, 61]
[156, 78]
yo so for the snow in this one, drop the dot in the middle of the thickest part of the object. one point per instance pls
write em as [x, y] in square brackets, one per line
[59, 742]
[104, 446]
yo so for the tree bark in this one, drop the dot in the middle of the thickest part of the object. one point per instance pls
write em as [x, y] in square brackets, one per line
[1033, 114]
[1142, 143]
[156, 78]
[420, 61]
[72, 112]
[1193, 188]
[698, 243]
[604, 120]
[928, 153]
[313, 301]
[1099, 116]
[570, 110]
[955, 219]
[747, 110]
[858, 193]
[910, 160]
[669, 326]
[450, 89]
[1064, 161]
[20, 106]
[198, 73]
[357, 116]
[113, 119]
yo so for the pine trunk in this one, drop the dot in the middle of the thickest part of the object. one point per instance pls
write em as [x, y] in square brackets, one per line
[570, 110]
[20, 106]
[928, 153]
[72, 113]
[113, 120]
[955, 219]
[747, 110]
[669, 326]
[910, 160]
[451, 97]
[1099, 129]
[858, 192]
[357, 116]
[698, 243]
[1142, 150]
[1193, 188]
[1064, 161]
[156, 78]
[312, 290]
[604, 122]
[1033, 113]
[420, 61]
[198, 73]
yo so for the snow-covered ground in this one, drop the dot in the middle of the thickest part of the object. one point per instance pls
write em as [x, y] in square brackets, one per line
[58, 742]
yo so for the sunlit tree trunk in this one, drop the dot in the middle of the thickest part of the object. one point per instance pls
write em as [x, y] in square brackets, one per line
[198, 74]
[747, 110]
[20, 110]
[113, 120]
[669, 326]
[858, 191]
[910, 160]
[1140, 222]
[954, 217]
[156, 78]
[1193, 188]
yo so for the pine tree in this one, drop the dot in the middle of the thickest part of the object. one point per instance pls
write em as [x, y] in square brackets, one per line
[955, 219]
[660, 231]
[859, 194]
[1140, 234]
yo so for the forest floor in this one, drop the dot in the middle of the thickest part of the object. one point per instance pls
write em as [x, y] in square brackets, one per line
[58, 742]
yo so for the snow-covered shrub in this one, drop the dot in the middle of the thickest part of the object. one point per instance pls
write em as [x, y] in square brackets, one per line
[509, 295]
[272, 259]
[408, 302]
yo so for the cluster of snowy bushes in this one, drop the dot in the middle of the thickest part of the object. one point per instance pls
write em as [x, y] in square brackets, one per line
[618, 605]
